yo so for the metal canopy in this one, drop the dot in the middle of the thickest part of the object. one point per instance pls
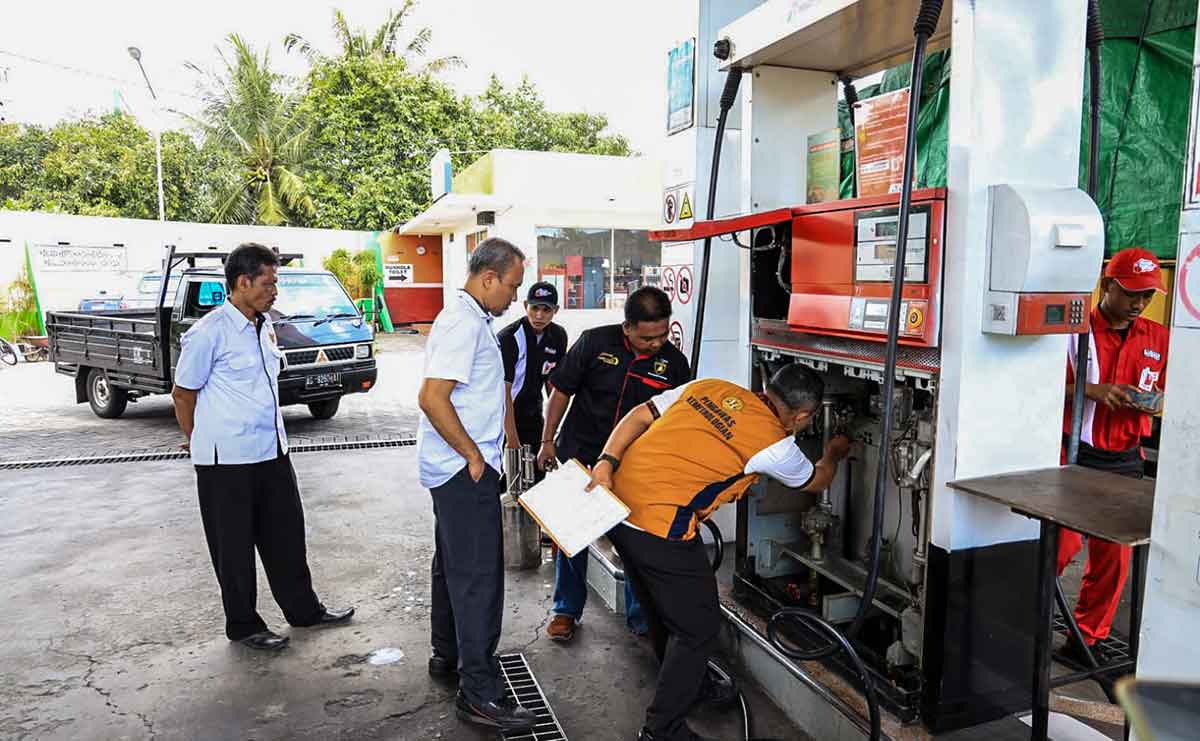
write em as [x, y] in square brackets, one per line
[851, 37]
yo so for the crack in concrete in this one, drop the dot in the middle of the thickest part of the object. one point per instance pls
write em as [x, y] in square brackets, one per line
[540, 630]
[90, 683]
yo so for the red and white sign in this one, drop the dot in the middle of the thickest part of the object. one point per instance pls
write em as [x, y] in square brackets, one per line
[1188, 285]
[676, 335]
[668, 281]
[686, 287]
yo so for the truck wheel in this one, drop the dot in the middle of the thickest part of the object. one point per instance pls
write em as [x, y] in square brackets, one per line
[108, 401]
[324, 409]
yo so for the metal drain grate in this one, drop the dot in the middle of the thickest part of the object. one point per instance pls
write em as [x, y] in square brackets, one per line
[1114, 645]
[179, 455]
[522, 687]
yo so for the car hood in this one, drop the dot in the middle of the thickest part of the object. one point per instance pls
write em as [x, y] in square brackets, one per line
[307, 333]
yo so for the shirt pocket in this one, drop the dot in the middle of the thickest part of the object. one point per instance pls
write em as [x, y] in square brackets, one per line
[243, 368]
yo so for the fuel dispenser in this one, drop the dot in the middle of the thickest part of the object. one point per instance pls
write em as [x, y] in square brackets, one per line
[857, 290]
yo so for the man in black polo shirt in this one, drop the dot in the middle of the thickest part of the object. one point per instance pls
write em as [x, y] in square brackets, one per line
[531, 346]
[608, 371]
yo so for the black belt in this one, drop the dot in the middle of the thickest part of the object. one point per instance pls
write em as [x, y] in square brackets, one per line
[1124, 462]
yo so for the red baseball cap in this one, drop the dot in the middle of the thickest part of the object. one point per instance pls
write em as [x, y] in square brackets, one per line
[1136, 269]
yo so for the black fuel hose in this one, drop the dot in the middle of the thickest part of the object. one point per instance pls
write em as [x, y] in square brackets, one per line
[923, 29]
[1095, 37]
[838, 641]
[733, 79]
[718, 556]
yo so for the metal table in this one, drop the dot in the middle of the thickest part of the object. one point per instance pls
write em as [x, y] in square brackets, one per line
[1095, 503]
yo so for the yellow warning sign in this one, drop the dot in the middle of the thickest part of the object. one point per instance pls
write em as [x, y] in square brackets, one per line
[685, 211]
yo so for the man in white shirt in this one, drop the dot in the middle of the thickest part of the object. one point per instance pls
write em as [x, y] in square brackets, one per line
[227, 404]
[459, 442]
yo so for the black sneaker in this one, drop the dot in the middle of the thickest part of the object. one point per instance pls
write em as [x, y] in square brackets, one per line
[442, 667]
[503, 714]
[1072, 655]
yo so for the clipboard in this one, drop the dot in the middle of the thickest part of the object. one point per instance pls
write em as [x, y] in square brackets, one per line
[572, 517]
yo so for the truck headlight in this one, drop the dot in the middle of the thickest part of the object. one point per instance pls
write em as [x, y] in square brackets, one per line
[361, 352]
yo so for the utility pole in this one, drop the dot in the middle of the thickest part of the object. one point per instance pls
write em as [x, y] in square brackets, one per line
[136, 53]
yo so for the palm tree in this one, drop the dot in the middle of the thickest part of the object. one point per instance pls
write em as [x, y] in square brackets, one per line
[357, 43]
[248, 112]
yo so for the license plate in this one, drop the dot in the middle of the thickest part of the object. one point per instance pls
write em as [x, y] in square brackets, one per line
[321, 380]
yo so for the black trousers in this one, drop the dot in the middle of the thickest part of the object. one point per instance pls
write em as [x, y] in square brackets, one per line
[257, 505]
[678, 591]
[467, 601]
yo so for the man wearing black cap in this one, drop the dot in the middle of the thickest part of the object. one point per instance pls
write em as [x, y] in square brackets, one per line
[531, 347]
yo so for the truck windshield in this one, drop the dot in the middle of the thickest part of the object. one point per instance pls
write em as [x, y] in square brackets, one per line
[150, 285]
[315, 295]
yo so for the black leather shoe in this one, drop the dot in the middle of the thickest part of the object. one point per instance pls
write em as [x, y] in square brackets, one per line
[504, 714]
[330, 618]
[265, 641]
[442, 667]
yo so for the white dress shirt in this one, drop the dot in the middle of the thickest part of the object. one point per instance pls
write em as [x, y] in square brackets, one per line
[235, 368]
[463, 348]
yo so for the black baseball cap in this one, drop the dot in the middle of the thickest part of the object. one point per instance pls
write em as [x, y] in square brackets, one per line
[543, 293]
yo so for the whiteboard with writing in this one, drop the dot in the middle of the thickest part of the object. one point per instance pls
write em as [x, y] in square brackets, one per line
[572, 517]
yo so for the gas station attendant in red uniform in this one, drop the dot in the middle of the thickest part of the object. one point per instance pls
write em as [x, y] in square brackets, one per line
[1126, 373]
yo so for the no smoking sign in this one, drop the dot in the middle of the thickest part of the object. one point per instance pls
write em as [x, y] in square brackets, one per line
[1188, 314]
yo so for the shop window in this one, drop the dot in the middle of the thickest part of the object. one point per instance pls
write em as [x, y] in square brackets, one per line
[637, 262]
[474, 239]
[579, 264]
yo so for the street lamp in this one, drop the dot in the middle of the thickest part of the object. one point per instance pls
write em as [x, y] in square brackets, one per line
[136, 53]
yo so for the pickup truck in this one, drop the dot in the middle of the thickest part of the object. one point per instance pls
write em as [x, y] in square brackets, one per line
[119, 356]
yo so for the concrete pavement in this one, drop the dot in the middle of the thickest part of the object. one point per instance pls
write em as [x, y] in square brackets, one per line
[113, 625]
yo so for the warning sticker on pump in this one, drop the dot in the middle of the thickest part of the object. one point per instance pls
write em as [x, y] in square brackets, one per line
[677, 204]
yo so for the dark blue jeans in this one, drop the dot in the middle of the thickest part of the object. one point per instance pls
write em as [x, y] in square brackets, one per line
[570, 591]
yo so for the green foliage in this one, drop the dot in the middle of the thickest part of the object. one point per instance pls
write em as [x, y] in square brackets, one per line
[18, 309]
[375, 127]
[248, 114]
[348, 149]
[517, 118]
[104, 166]
[357, 43]
[358, 273]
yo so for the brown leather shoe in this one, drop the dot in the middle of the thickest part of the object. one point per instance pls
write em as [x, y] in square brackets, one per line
[561, 628]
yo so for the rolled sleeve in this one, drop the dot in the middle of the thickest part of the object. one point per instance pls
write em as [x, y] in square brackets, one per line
[197, 353]
[662, 402]
[784, 462]
[452, 353]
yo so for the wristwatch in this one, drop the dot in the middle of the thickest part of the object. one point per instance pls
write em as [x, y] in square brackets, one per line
[613, 460]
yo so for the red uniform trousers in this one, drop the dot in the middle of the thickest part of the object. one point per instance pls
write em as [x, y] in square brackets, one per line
[1103, 580]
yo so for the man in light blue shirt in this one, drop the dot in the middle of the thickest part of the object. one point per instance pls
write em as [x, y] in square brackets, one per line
[227, 404]
[459, 442]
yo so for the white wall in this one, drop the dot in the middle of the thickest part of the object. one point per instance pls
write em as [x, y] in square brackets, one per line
[142, 248]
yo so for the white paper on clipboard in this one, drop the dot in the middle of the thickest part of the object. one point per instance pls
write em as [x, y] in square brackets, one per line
[572, 517]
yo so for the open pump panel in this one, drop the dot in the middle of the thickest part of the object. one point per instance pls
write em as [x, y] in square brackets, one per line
[820, 281]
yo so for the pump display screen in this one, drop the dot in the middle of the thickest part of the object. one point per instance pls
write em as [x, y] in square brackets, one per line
[1056, 314]
[887, 228]
[875, 245]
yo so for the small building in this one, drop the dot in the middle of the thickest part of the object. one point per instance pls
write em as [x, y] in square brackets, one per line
[581, 219]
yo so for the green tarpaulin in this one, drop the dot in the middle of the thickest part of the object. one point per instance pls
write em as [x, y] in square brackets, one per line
[1141, 203]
